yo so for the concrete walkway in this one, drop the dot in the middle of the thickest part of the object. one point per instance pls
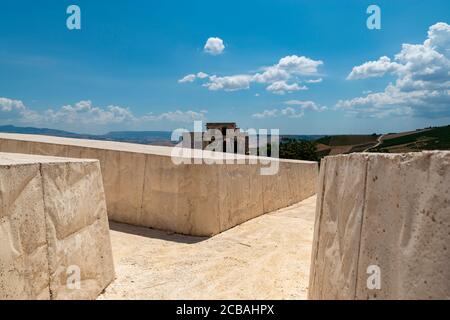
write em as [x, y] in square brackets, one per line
[265, 258]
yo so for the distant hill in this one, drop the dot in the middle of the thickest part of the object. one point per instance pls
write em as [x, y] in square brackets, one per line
[433, 138]
[142, 137]
[339, 144]
[301, 137]
[43, 131]
[348, 140]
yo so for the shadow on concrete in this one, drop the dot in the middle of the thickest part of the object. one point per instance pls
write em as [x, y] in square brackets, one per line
[155, 234]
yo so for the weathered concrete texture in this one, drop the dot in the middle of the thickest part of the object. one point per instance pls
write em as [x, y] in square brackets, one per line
[391, 211]
[144, 187]
[52, 217]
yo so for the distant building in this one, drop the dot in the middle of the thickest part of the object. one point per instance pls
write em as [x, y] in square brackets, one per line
[229, 131]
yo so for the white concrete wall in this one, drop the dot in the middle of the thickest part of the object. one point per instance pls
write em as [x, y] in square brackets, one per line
[391, 211]
[52, 217]
[144, 187]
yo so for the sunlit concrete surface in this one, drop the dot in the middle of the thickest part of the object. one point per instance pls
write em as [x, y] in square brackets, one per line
[265, 258]
[144, 187]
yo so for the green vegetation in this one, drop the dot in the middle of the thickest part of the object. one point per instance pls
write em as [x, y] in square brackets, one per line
[347, 140]
[434, 139]
[298, 149]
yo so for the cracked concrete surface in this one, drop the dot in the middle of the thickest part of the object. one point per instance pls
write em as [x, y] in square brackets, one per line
[265, 258]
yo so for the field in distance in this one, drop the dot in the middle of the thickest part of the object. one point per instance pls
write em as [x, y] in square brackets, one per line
[432, 138]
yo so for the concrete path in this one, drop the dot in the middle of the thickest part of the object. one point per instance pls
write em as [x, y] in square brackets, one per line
[265, 258]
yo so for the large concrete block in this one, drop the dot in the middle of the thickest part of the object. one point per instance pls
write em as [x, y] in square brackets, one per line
[52, 222]
[406, 227]
[144, 187]
[382, 227]
[339, 222]
[23, 244]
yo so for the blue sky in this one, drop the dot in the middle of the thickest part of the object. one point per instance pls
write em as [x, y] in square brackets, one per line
[121, 71]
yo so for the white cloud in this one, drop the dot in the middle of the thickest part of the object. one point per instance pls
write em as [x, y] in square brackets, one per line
[422, 84]
[229, 83]
[176, 116]
[297, 111]
[292, 113]
[374, 69]
[266, 114]
[439, 38]
[84, 113]
[281, 87]
[271, 74]
[9, 104]
[314, 80]
[287, 112]
[288, 67]
[214, 46]
[306, 105]
[191, 77]
[275, 76]
[299, 65]
[188, 78]
[202, 75]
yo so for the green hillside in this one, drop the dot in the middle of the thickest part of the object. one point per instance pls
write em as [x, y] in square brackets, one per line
[434, 139]
[347, 140]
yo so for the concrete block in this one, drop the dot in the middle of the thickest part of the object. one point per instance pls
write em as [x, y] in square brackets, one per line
[52, 218]
[388, 212]
[339, 224]
[144, 187]
[23, 245]
[406, 227]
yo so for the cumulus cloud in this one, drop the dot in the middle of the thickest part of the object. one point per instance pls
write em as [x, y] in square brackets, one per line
[422, 84]
[191, 77]
[281, 87]
[288, 67]
[85, 113]
[266, 114]
[376, 68]
[295, 109]
[228, 83]
[202, 75]
[314, 80]
[275, 77]
[10, 104]
[288, 112]
[176, 116]
[299, 65]
[187, 78]
[214, 46]
[306, 105]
